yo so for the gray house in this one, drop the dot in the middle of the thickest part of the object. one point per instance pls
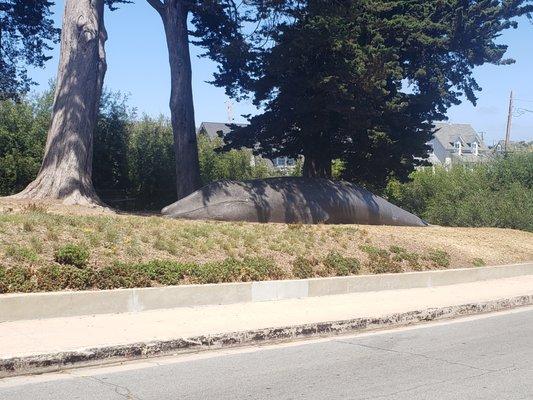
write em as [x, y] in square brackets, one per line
[456, 144]
[220, 129]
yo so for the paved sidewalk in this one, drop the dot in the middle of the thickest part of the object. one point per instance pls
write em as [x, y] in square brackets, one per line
[37, 337]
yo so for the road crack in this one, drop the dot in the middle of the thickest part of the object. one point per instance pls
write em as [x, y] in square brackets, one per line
[120, 390]
[423, 356]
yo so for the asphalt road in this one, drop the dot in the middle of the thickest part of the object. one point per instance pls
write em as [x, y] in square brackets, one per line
[478, 358]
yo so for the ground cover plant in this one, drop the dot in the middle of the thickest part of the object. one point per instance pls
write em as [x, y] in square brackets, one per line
[43, 248]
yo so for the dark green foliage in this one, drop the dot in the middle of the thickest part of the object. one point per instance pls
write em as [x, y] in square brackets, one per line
[303, 268]
[23, 128]
[26, 35]
[151, 163]
[499, 194]
[72, 254]
[234, 164]
[340, 265]
[361, 81]
[233, 35]
[133, 159]
[111, 175]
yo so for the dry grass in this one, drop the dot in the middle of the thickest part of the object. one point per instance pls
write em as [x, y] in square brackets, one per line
[29, 236]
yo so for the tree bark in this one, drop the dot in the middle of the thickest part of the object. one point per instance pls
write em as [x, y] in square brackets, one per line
[66, 171]
[315, 167]
[174, 14]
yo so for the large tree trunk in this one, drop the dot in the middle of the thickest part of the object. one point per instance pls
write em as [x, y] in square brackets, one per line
[174, 15]
[67, 166]
[316, 167]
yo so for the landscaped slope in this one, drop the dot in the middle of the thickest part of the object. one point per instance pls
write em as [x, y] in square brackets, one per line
[95, 250]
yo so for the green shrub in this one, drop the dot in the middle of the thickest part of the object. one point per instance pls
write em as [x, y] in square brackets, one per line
[341, 265]
[72, 254]
[498, 193]
[120, 276]
[380, 261]
[303, 268]
[17, 279]
[51, 278]
[478, 262]
[166, 272]
[401, 254]
[440, 258]
[259, 269]
[383, 265]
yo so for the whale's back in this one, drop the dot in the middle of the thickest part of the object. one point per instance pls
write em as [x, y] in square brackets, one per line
[290, 200]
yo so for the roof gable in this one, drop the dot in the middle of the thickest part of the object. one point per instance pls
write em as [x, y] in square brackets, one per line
[449, 134]
[212, 129]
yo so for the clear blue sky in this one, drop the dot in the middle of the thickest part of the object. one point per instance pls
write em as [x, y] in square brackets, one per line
[138, 65]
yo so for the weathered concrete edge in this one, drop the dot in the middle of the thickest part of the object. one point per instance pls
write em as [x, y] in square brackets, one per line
[15, 307]
[113, 354]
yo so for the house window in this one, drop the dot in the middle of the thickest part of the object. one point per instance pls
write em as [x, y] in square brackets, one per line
[458, 147]
[475, 148]
[279, 162]
[283, 162]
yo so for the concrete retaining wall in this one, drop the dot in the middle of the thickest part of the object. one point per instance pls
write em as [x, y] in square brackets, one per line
[65, 304]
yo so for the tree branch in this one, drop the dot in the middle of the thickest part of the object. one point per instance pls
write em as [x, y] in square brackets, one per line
[157, 5]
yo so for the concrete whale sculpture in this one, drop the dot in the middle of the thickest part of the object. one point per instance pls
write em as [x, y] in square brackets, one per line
[290, 200]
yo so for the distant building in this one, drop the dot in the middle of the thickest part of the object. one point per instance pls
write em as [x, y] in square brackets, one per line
[216, 129]
[220, 129]
[456, 144]
[513, 147]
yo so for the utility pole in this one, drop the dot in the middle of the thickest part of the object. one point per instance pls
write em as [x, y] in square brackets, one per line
[509, 121]
[229, 110]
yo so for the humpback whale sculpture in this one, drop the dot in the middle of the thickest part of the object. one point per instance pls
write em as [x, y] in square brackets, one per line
[290, 200]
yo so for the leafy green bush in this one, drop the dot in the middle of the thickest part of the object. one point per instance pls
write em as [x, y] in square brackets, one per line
[341, 265]
[133, 157]
[440, 258]
[380, 261]
[120, 276]
[303, 268]
[16, 279]
[72, 254]
[124, 275]
[498, 193]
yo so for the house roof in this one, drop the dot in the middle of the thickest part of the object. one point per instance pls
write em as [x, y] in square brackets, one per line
[448, 134]
[212, 129]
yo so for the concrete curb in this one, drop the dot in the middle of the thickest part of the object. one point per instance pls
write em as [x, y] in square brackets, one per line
[26, 306]
[111, 354]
